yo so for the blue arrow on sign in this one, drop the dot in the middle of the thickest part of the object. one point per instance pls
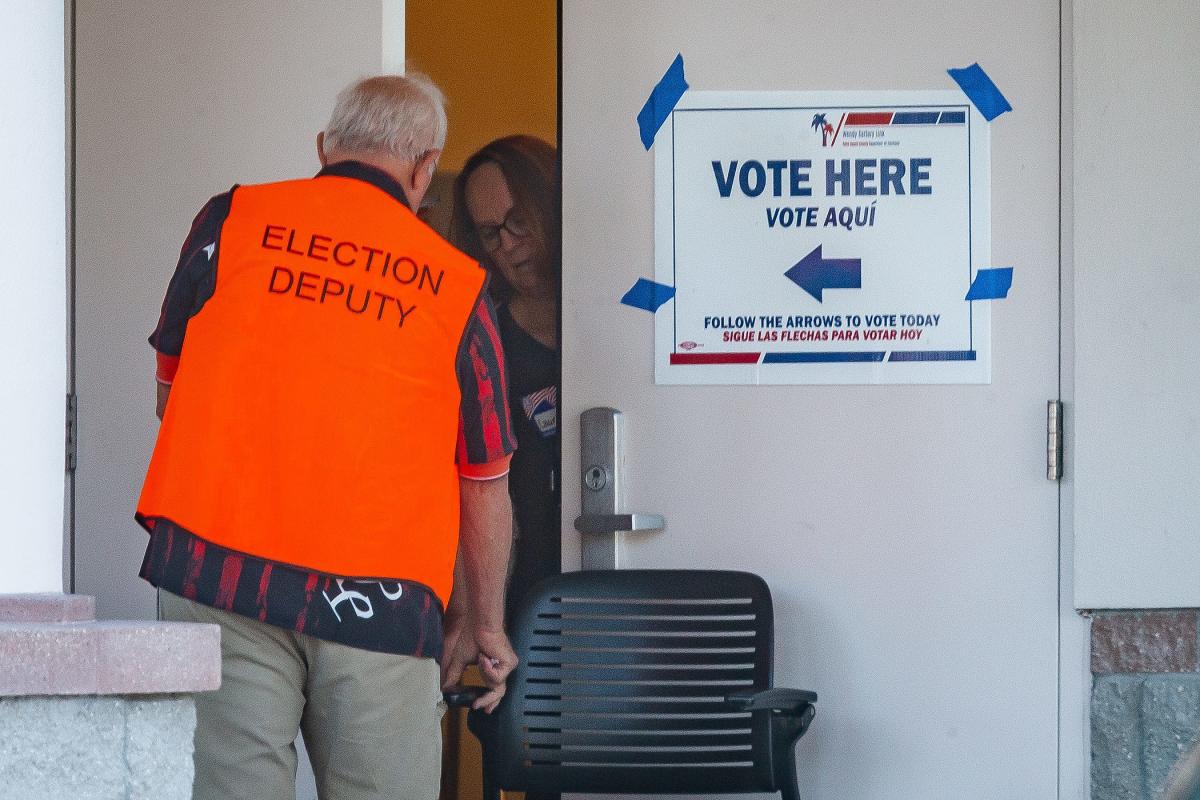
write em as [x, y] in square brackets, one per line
[813, 273]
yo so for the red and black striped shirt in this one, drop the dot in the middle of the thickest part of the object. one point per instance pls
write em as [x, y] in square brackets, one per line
[402, 617]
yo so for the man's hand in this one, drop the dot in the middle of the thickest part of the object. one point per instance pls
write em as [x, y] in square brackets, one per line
[496, 660]
[489, 650]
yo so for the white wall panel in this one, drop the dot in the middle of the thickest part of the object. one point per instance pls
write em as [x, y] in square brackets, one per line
[33, 291]
[1136, 444]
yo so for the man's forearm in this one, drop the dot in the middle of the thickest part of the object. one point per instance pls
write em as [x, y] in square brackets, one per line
[164, 392]
[485, 540]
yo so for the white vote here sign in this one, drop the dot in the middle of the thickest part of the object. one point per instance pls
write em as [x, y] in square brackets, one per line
[822, 237]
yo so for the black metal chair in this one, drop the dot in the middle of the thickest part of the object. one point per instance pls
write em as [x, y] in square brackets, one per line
[644, 681]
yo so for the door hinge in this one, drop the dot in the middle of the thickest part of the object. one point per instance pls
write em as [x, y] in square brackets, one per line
[1054, 440]
[72, 431]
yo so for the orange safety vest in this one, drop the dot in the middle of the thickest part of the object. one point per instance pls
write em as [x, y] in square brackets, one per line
[314, 417]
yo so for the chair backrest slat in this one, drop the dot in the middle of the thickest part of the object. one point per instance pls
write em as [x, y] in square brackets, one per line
[636, 724]
[603, 656]
[640, 736]
[710, 673]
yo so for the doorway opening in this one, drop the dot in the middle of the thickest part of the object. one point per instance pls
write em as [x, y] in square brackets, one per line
[498, 65]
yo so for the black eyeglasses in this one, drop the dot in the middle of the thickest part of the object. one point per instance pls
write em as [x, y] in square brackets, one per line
[514, 222]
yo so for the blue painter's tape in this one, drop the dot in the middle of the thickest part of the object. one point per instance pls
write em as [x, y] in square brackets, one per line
[981, 91]
[648, 295]
[991, 284]
[662, 101]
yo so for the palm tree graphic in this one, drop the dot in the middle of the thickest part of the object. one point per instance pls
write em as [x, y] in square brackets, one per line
[819, 123]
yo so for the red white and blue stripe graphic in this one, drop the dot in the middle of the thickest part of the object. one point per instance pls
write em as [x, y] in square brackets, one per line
[876, 119]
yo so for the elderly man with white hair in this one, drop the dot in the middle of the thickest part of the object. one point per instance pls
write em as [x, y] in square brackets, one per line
[329, 481]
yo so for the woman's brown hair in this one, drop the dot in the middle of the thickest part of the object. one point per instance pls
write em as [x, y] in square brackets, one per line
[530, 168]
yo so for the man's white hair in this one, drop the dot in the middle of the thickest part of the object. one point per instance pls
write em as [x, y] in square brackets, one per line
[401, 115]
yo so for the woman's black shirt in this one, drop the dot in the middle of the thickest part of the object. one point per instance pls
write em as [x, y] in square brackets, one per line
[533, 380]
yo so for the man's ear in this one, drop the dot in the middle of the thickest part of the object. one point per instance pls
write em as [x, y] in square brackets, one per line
[422, 176]
[427, 165]
[321, 149]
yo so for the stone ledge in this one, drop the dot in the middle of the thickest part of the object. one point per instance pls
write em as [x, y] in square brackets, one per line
[1160, 641]
[48, 607]
[104, 658]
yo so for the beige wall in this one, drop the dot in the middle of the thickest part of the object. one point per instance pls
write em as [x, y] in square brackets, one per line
[497, 63]
[175, 102]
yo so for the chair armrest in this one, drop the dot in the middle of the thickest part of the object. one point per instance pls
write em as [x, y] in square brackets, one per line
[788, 701]
[463, 696]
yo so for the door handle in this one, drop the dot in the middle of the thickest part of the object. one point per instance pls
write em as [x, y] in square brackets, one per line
[615, 523]
[602, 522]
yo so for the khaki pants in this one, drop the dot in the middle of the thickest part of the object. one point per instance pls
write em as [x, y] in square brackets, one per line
[371, 721]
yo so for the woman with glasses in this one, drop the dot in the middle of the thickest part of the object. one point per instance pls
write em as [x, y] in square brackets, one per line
[506, 215]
